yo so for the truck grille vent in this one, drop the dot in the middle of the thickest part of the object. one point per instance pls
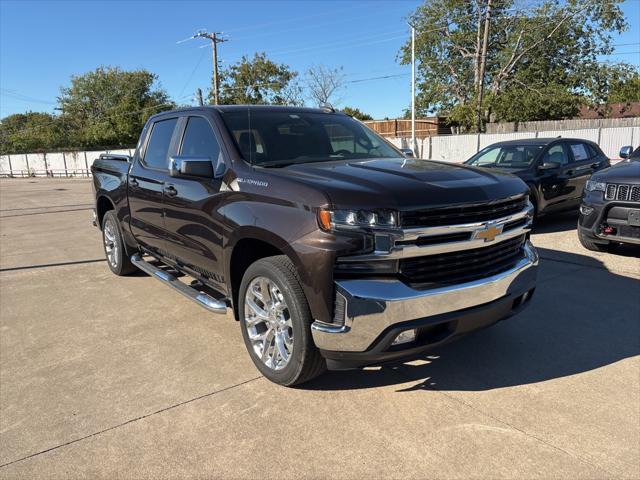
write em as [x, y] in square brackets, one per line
[462, 266]
[622, 192]
[461, 214]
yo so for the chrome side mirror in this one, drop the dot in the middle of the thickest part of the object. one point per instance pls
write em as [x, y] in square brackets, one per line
[626, 151]
[407, 152]
[190, 167]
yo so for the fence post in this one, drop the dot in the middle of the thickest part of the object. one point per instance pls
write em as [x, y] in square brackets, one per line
[46, 170]
[599, 133]
[10, 167]
[478, 143]
[86, 165]
[430, 149]
[26, 159]
[64, 159]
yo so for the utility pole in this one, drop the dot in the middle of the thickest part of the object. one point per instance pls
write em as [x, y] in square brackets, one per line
[215, 40]
[413, 90]
[483, 64]
[199, 95]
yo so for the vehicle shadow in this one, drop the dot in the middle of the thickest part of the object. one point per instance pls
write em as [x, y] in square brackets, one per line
[581, 318]
[556, 222]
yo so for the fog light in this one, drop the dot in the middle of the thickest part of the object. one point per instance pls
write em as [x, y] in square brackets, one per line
[405, 337]
[609, 230]
[584, 210]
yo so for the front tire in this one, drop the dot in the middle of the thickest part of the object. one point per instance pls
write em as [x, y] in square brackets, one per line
[276, 322]
[114, 249]
[589, 244]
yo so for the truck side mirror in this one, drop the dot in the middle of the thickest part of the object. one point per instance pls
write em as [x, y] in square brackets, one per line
[190, 167]
[407, 152]
[625, 152]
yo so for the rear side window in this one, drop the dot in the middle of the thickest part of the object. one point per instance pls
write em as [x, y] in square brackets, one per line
[580, 151]
[158, 146]
[199, 140]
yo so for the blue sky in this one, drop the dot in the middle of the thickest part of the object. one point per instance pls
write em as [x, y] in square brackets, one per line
[43, 43]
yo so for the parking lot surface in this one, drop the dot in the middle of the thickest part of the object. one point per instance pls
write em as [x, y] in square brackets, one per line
[120, 377]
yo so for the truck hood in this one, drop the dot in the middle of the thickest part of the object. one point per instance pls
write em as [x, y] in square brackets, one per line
[403, 184]
[622, 172]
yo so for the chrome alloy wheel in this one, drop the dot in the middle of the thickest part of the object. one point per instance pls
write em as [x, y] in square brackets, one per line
[110, 243]
[268, 323]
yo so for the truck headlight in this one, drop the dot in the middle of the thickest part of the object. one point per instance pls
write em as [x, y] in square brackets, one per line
[595, 186]
[332, 219]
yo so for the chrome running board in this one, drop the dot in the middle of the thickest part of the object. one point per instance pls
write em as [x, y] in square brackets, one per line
[202, 299]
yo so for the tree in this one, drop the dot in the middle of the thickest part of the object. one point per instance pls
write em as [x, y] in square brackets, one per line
[535, 64]
[30, 132]
[324, 83]
[259, 81]
[356, 113]
[623, 85]
[109, 106]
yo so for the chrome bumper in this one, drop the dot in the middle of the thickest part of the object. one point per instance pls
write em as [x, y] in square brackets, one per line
[375, 305]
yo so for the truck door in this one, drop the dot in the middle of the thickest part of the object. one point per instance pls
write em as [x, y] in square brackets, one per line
[146, 184]
[193, 205]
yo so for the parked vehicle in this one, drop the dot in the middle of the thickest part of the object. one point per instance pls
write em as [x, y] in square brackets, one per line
[331, 247]
[610, 209]
[555, 169]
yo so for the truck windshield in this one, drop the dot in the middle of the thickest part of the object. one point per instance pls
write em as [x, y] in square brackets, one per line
[508, 156]
[280, 138]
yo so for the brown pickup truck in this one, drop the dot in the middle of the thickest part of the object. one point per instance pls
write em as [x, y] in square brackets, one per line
[332, 247]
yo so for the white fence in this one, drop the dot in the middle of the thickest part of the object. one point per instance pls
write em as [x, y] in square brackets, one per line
[458, 148]
[449, 148]
[58, 164]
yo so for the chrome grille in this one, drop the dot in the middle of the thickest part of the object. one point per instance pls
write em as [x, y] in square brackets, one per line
[622, 192]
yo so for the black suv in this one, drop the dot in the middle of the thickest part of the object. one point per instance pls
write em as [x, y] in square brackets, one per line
[555, 169]
[610, 209]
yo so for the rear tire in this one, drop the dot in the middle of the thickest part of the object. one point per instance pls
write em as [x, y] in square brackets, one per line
[591, 245]
[114, 248]
[275, 316]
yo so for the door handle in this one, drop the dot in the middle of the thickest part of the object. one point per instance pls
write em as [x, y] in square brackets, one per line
[133, 182]
[595, 165]
[170, 190]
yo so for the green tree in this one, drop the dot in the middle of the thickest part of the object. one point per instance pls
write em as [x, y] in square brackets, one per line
[357, 113]
[31, 132]
[537, 64]
[109, 106]
[259, 81]
[623, 84]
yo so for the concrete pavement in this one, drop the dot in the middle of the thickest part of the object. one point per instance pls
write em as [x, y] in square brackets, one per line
[119, 377]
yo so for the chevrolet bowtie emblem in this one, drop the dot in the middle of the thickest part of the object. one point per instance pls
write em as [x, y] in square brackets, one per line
[489, 233]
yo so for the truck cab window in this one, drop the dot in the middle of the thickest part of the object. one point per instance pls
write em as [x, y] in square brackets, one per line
[156, 155]
[200, 141]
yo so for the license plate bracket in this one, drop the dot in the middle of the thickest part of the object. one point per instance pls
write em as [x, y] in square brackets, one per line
[634, 218]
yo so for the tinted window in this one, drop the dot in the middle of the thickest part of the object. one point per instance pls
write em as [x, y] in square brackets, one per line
[556, 154]
[285, 137]
[158, 146]
[635, 155]
[199, 140]
[581, 151]
[507, 156]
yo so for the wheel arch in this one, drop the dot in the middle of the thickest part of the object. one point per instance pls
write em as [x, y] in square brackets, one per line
[103, 205]
[249, 245]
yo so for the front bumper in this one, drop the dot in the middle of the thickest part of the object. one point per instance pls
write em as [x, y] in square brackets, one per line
[611, 213]
[377, 310]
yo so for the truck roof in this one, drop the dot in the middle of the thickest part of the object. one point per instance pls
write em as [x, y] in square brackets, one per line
[239, 108]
